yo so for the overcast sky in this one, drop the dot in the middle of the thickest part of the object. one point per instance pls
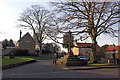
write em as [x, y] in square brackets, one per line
[9, 13]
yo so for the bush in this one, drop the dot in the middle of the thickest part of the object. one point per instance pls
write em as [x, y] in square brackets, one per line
[43, 52]
[21, 52]
[46, 51]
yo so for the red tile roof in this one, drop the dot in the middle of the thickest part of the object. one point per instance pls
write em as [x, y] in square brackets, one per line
[110, 48]
[85, 44]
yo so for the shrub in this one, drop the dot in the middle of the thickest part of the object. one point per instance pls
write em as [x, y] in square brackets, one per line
[21, 52]
[43, 52]
[46, 51]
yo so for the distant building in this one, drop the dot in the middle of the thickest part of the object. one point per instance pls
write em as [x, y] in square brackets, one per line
[82, 51]
[26, 42]
[110, 50]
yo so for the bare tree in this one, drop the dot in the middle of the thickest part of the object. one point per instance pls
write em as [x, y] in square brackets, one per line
[38, 19]
[88, 20]
[52, 47]
[66, 41]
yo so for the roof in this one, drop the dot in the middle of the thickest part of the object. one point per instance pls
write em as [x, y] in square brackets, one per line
[85, 44]
[26, 35]
[110, 48]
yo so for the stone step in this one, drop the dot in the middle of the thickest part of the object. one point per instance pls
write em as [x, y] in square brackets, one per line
[73, 63]
[70, 60]
[74, 60]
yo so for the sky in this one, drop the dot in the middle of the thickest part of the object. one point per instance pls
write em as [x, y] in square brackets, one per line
[10, 12]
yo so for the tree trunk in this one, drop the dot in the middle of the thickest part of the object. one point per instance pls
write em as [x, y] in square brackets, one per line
[94, 52]
[68, 49]
[40, 43]
[40, 52]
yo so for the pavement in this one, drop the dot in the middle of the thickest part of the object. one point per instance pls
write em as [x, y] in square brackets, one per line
[88, 67]
[45, 69]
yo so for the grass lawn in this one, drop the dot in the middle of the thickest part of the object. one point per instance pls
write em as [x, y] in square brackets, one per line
[90, 64]
[6, 60]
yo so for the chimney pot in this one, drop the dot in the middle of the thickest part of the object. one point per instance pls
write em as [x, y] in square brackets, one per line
[20, 33]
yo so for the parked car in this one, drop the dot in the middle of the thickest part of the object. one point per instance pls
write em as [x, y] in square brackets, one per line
[84, 58]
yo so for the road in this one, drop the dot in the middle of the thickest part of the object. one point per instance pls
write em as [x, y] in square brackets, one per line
[45, 69]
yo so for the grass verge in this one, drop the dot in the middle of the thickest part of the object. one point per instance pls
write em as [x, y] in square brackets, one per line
[90, 64]
[7, 61]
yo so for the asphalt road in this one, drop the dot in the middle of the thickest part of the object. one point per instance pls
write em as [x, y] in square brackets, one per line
[45, 69]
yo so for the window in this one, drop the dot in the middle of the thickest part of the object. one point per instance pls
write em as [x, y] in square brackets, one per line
[88, 52]
[83, 49]
[27, 42]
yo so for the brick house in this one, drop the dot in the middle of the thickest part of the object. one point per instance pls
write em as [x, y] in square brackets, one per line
[26, 42]
[82, 51]
[110, 50]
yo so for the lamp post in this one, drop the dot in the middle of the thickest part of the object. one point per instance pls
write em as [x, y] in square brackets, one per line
[114, 53]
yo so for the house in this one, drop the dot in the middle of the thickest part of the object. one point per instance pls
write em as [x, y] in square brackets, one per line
[77, 50]
[110, 50]
[26, 42]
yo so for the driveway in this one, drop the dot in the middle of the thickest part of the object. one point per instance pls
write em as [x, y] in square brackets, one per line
[45, 69]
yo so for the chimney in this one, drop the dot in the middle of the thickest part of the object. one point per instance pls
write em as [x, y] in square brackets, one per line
[20, 33]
